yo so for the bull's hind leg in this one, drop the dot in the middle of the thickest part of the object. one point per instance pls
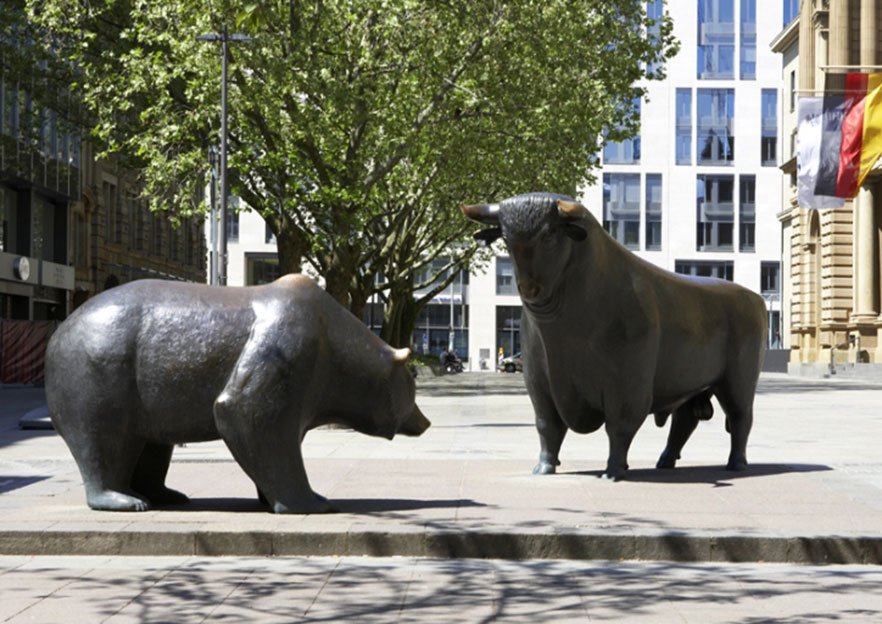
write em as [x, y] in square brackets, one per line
[149, 476]
[738, 404]
[683, 423]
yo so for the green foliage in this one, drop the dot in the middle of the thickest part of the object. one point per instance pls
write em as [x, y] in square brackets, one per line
[357, 126]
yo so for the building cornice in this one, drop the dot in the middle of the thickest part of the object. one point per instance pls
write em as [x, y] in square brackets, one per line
[789, 166]
[786, 37]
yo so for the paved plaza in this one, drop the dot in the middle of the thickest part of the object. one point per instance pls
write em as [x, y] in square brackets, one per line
[452, 526]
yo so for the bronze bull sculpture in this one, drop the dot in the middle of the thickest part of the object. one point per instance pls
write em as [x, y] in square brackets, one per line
[151, 364]
[609, 338]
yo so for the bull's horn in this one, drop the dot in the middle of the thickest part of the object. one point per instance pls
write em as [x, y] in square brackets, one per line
[400, 355]
[482, 213]
[571, 210]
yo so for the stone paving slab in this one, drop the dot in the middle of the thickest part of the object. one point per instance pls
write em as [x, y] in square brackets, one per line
[813, 492]
[404, 589]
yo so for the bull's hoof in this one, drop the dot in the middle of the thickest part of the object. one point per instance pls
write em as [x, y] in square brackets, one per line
[738, 465]
[666, 461]
[110, 500]
[543, 468]
[316, 504]
[613, 476]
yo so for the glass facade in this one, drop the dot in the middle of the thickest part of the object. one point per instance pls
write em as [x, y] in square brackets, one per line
[684, 127]
[747, 213]
[770, 278]
[769, 129]
[716, 40]
[508, 330]
[654, 11]
[715, 134]
[625, 152]
[791, 10]
[653, 211]
[706, 268]
[715, 212]
[621, 207]
[432, 330]
[505, 279]
[747, 64]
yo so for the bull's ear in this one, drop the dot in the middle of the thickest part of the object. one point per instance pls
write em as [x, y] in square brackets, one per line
[487, 236]
[575, 231]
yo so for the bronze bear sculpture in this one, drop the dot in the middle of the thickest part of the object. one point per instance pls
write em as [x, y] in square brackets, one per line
[608, 338]
[150, 364]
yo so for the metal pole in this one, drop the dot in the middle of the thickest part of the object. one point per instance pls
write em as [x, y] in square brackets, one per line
[212, 159]
[224, 187]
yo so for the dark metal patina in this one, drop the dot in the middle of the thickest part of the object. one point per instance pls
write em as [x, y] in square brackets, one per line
[608, 338]
[151, 364]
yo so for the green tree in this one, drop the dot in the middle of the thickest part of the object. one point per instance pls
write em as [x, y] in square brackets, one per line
[357, 126]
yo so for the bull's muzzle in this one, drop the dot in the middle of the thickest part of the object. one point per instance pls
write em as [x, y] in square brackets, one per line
[416, 424]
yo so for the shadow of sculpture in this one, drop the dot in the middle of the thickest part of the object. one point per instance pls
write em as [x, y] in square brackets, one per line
[712, 475]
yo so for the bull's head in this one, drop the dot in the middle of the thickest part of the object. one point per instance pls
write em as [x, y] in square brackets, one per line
[539, 230]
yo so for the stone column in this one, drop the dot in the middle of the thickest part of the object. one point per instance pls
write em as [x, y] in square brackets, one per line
[869, 32]
[806, 47]
[838, 28]
[866, 275]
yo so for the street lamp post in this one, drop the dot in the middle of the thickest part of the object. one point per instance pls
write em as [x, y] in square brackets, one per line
[224, 37]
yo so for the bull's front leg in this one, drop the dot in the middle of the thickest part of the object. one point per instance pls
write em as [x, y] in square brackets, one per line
[621, 426]
[551, 429]
[551, 434]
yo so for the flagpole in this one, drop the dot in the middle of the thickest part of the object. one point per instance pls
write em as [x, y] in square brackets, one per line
[839, 67]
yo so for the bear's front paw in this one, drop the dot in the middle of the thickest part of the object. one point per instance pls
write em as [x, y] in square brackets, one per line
[315, 504]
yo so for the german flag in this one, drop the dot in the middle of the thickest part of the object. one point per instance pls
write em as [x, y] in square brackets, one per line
[851, 140]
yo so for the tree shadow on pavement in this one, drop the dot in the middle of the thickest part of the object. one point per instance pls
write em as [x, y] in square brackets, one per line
[413, 590]
[711, 475]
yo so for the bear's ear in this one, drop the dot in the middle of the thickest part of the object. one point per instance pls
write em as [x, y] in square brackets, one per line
[400, 356]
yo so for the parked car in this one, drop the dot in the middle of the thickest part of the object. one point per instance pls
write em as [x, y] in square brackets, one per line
[511, 364]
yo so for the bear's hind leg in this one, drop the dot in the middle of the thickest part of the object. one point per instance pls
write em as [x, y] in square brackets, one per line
[149, 476]
[106, 464]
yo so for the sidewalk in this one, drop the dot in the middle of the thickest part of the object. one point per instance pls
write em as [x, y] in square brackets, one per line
[812, 494]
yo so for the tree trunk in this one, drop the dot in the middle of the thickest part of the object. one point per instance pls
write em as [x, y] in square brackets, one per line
[292, 245]
[399, 318]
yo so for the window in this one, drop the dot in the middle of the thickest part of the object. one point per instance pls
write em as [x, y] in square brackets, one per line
[653, 211]
[716, 40]
[770, 278]
[793, 91]
[268, 237]
[621, 207]
[81, 241]
[715, 138]
[748, 40]
[791, 10]
[110, 211]
[626, 152]
[654, 11]
[508, 330]
[747, 213]
[42, 229]
[706, 268]
[715, 218]
[769, 129]
[232, 223]
[432, 329]
[505, 280]
[261, 269]
[684, 126]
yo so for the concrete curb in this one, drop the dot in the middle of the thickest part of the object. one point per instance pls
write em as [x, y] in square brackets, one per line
[449, 545]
